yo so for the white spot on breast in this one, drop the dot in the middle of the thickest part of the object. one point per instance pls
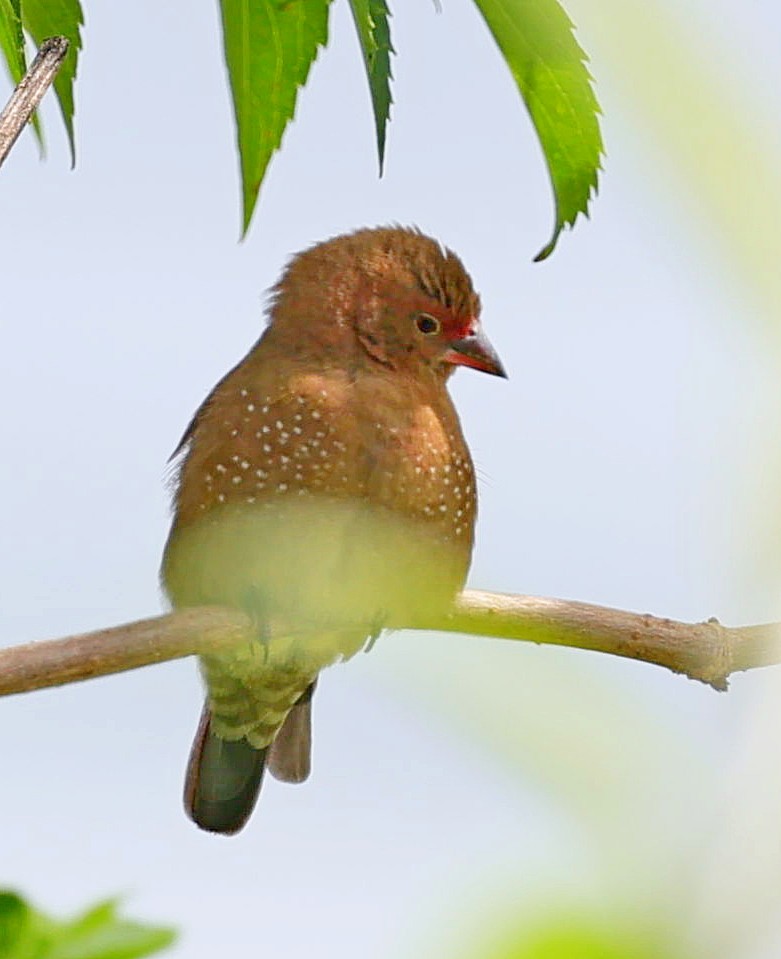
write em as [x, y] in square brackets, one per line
[282, 487]
[220, 468]
[250, 407]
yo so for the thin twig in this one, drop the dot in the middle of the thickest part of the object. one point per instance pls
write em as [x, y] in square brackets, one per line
[708, 652]
[30, 92]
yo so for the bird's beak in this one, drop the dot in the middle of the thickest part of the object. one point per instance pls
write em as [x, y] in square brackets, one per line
[475, 351]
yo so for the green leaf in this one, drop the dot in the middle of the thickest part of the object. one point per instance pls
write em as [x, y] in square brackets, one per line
[97, 934]
[537, 42]
[371, 21]
[50, 18]
[270, 46]
[12, 38]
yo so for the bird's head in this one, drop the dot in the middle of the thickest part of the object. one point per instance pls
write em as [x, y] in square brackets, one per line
[390, 296]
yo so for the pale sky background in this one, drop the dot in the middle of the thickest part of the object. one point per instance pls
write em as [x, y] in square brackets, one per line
[629, 461]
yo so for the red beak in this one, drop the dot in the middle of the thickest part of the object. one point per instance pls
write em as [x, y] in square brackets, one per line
[475, 351]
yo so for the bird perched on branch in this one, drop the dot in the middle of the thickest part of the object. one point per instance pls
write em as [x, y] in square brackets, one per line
[325, 488]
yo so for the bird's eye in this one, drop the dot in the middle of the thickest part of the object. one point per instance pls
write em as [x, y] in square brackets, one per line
[427, 324]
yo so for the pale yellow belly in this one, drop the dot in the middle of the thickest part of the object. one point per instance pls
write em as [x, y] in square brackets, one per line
[314, 572]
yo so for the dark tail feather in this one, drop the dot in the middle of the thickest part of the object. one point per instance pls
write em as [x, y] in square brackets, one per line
[290, 755]
[223, 780]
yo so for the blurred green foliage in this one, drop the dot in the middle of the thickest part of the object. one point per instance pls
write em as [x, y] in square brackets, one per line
[570, 936]
[26, 933]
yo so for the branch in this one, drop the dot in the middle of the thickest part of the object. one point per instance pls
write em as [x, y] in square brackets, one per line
[30, 92]
[708, 652]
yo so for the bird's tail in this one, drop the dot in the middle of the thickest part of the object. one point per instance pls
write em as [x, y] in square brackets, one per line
[224, 776]
[223, 780]
[290, 753]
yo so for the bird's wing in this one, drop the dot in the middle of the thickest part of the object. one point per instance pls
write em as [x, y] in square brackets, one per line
[181, 446]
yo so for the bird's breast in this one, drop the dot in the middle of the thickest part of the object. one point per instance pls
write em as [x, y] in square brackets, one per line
[332, 435]
[325, 499]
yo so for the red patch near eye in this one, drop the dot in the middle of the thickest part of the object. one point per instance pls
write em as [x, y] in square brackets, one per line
[456, 327]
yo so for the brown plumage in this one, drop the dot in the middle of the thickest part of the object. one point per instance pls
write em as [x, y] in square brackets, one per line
[325, 487]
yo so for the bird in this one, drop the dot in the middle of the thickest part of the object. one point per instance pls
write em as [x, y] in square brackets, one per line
[325, 488]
